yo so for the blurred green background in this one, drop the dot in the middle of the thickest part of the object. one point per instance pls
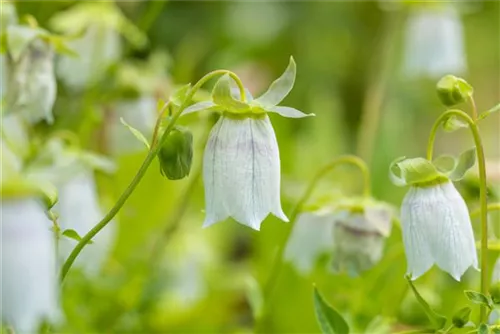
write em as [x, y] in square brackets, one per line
[351, 73]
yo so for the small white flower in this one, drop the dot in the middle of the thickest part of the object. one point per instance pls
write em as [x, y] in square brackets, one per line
[437, 229]
[241, 162]
[79, 210]
[29, 291]
[434, 43]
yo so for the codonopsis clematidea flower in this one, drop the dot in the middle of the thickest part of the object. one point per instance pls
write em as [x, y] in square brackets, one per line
[241, 162]
[352, 229]
[435, 220]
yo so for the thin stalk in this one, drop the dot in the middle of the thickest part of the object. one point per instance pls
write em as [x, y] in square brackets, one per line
[142, 170]
[278, 260]
[482, 190]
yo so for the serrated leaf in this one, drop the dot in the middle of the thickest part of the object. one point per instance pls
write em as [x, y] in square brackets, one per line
[478, 298]
[137, 134]
[438, 321]
[461, 317]
[466, 161]
[280, 88]
[222, 96]
[330, 321]
[487, 113]
[452, 124]
[445, 163]
[483, 329]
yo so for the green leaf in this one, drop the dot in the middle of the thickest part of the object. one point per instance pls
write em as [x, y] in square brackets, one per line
[438, 321]
[466, 161]
[330, 321]
[494, 291]
[72, 234]
[222, 96]
[482, 329]
[452, 124]
[487, 113]
[413, 171]
[137, 134]
[280, 88]
[461, 317]
[445, 163]
[478, 298]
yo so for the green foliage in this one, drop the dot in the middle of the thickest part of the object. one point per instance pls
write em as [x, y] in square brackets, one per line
[479, 298]
[466, 161]
[461, 317]
[330, 321]
[72, 234]
[137, 134]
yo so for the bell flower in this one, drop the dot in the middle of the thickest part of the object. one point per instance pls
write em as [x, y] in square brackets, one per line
[435, 221]
[241, 165]
[434, 42]
[30, 292]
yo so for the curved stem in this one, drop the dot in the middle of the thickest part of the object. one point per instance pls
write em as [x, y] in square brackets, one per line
[142, 170]
[482, 189]
[278, 261]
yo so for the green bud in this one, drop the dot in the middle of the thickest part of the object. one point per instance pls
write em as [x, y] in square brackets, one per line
[176, 154]
[495, 292]
[452, 90]
[461, 317]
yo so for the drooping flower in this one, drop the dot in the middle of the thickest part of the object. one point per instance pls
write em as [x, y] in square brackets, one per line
[435, 221]
[353, 230]
[434, 42]
[30, 292]
[241, 161]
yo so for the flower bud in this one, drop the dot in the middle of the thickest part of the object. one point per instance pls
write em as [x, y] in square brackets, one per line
[452, 90]
[461, 318]
[176, 154]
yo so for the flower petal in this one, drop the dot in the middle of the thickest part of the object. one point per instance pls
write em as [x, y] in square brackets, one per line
[454, 247]
[213, 177]
[203, 105]
[280, 88]
[245, 171]
[415, 216]
[288, 112]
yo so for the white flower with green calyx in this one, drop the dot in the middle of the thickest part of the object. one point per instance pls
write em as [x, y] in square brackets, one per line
[241, 161]
[434, 217]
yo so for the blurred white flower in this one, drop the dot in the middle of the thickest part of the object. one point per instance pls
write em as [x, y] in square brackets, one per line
[31, 80]
[142, 114]
[496, 272]
[312, 235]
[29, 291]
[79, 210]
[437, 229]
[97, 50]
[434, 43]
[241, 166]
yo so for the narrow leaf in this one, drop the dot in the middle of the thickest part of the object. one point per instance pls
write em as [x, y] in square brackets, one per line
[478, 298]
[137, 134]
[466, 161]
[487, 113]
[330, 321]
[437, 320]
[280, 88]
[222, 96]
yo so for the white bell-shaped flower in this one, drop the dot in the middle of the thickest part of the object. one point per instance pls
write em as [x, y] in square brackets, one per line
[241, 162]
[29, 291]
[437, 229]
[434, 42]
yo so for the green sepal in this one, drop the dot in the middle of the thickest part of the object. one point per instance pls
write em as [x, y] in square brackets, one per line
[461, 317]
[280, 88]
[176, 154]
[479, 298]
[452, 124]
[453, 90]
[487, 113]
[329, 320]
[179, 95]
[437, 320]
[415, 171]
[466, 161]
[445, 163]
[222, 96]
[137, 134]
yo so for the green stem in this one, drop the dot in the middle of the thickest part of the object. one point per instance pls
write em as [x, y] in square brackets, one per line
[482, 190]
[142, 170]
[278, 261]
